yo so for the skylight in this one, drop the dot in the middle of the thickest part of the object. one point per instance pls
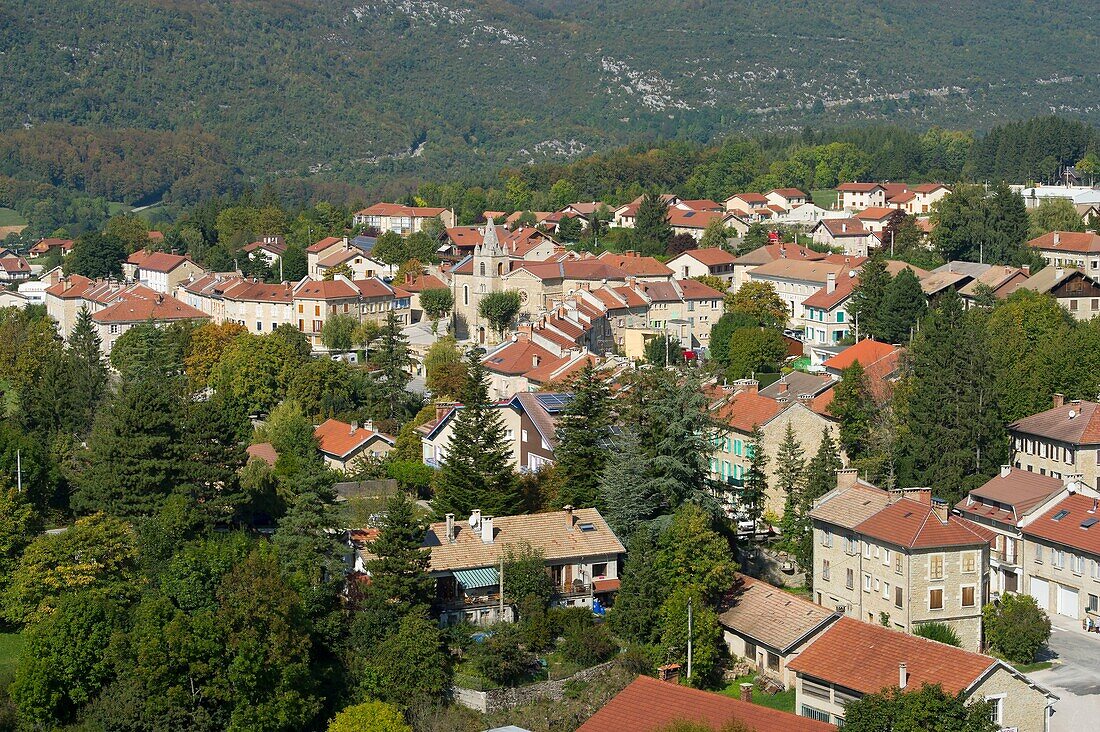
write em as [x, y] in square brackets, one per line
[588, 527]
[1089, 523]
[1061, 515]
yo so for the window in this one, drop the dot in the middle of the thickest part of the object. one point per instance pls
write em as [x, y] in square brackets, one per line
[897, 564]
[825, 569]
[866, 582]
[1095, 570]
[866, 550]
[1076, 564]
[1093, 604]
[850, 580]
[969, 562]
[935, 599]
[996, 708]
[827, 538]
[968, 596]
[1057, 558]
[885, 557]
[509, 434]
[259, 326]
[114, 328]
[1038, 554]
[885, 590]
[816, 690]
[851, 545]
[897, 596]
[316, 310]
[935, 566]
[465, 294]
[300, 306]
[599, 570]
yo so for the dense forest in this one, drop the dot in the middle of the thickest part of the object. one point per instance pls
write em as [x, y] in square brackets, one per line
[391, 93]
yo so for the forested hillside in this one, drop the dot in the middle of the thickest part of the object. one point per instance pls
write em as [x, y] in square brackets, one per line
[399, 91]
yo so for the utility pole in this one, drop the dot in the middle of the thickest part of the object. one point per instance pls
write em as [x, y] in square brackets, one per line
[500, 616]
[891, 242]
[689, 639]
[19, 470]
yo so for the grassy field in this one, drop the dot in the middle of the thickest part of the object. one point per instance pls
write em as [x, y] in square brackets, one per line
[783, 701]
[825, 197]
[11, 645]
[11, 217]
[114, 208]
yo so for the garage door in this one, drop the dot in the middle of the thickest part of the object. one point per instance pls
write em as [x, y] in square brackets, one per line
[1040, 590]
[1067, 602]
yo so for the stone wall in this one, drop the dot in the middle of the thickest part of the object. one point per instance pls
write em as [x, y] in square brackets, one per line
[496, 700]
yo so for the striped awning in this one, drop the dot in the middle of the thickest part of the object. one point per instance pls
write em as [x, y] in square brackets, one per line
[483, 577]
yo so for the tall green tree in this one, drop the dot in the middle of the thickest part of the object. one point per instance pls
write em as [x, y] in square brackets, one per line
[445, 368]
[664, 350]
[295, 264]
[903, 305]
[820, 479]
[643, 590]
[87, 377]
[437, 303]
[869, 294]
[760, 301]
[790, 468]
[500, 309]
[336, 333]
[754, 350]
[477, 471]
[399, 569]
[392, 358]
[582, 432]
[755, 491]
[722, 331]
[854, 405]
[217, 432]
[96, 255]
[630, 494]
[652, 227]
[954, 438]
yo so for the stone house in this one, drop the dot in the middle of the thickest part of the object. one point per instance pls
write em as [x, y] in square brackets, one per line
[343, 444]
[849, 234]
[769, 627]
[851, 659]
[795, 280]
[858, 196]
[900, 559]
[400, 219]
[787, 198]
[747, 262]
[1063, 440]
[160, 271]
[1070, 249]
[713, 261]
[1061, 553]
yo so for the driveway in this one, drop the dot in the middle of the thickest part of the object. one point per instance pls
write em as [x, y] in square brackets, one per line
[1075, 676]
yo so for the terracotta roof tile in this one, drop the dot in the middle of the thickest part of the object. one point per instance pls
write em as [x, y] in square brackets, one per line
[746, 410]
[710, 256]
[915, 525]
[635, 264]
[136, 306]
[341, 439]
[647, 705]
[156, 261]
[849, 506]
[858, 187]
[397, 209]
[772, 252]
[263, 451]
[769, 615]
[1007, 497]
[518, 357]
[876, 213]
[867, 352]
[1069, 530]
[864, 657]
[695, 290]
[335, 289]
[1056, 424]
[1068, 241]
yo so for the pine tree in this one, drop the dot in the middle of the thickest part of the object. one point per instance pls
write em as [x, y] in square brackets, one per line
[755, 492]
[652, 225]
[643, 591]
[399, 571]
[135, 452]
[1008, 226]
[392, 358]
[790, 464]
[582, 434]
[902, 307]
[477, 471]
[953, 434]
[820, 479]
[217, 431]
[868, 295]
[629, 494]
[854, 406]
[87, 378]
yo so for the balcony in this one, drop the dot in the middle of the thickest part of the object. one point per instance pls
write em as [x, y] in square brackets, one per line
[1004, 557]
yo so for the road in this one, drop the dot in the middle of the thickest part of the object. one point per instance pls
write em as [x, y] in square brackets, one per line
[1075, 676]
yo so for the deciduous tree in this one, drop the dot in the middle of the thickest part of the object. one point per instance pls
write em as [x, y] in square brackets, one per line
[500, 309]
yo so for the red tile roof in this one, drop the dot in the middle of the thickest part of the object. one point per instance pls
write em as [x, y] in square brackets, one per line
[696, 290]
[677, 217]
[702, 204]
[139, 304]
[156, 261]
[323, 244]
[635, 264]
[772, 252]
[560, 370]
[14, 265]
[929, 187]
[340, 439]
[915, 525]
[710, 256]
[253, 291]
[1068, 241]
[1070, 529]
[263, 451]
[867, 352]
[858, 187]
[746, 410]
[576, 269]
[1006, 497]
[423, 282]
[844, 227]
[518, 357]
[334, 289]
[397, 209]
[1083, 428]
[750, 198]
[647, 705]
[875, 213]
[788, 192]
[864, 657]
[828, 300]
[374, 287]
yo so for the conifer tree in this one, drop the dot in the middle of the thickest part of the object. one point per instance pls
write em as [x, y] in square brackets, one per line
[790, 464]
[392, 358]
[217, 431]
[582, 440]
[638, 603]
[868, 296]
[902, 307]
[820, 479]
[87, 377]
[477, 471]
[399, 571]
[652, 225]
[854, 406]
[756, 479]
[953, 437]
[629, 494]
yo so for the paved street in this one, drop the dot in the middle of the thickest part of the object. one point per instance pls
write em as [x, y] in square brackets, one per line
[1075, 676]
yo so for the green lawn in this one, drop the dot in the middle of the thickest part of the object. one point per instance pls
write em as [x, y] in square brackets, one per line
[783, 701]
[11, 217]
[114, 208]
[11, 645]
[824, 197]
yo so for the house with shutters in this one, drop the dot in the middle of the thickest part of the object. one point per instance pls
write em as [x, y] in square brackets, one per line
[343, 444]
[848, 234]
[1074, 289]
[712, 262]
[159, 271]
[581, 552]
[400, 219]
[1080, 249]
[1062, 440]
[851, 659]
[899, 558]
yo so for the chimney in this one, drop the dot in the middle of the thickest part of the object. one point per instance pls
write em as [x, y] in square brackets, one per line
[569, 517]
[846, 478]
[450, 528]
[1006, 470]
[941, 509]
[748, 386]
[487, 530]
[475, 518]
[844, 228]
[369, 425]
[783, 386]
[442, 409]
[830, 282]
[1059, 400]
[1059, 272]
[354, 427]
[1027, 269]
[903, 675]
[1057, 238]
[746, 692]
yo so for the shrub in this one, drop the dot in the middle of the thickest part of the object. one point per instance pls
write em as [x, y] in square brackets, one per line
[588, 646]
[502, 659]
[1016, 628]
[941, 632]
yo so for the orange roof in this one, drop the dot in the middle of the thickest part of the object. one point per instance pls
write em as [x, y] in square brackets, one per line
[422, 282]
[323, 244]
[374, 287]
[397, 209]
[254, 291]
[747, 410]
[559, 370]
[711, 256]
[867, 352]
[341, 439]
[1068, 241]
[693, 219]
[1082, 428]
[14, 264]
[702, 204]
[788, 192]
[334, 289]
[829, 300]
[263, 451]
[875, 213]
[647, 705]
[864, 657]
[635, 264]
[750, 198]
[139, 304]
[518, 357]
[929, 187]
[578, 269]
[696, 290]
[914, 524]
[858, 187]
[1070, 530]
[843, 227]
[156, 261]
